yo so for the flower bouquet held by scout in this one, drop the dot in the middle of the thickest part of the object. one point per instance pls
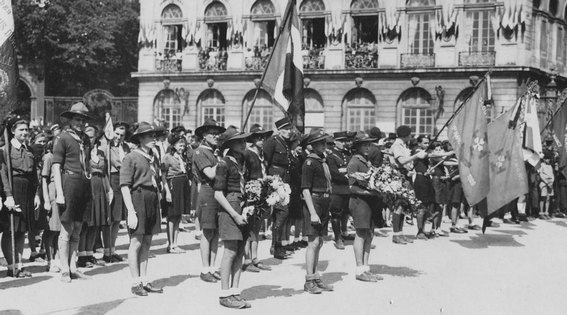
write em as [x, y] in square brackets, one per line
[262, 194]
[394, 189]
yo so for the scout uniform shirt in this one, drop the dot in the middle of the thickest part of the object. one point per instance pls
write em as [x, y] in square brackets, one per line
[72, 151]
[316, 175]
[202, 158]
[358, 164]
[254, 162]
[23, 164]
[118, 152]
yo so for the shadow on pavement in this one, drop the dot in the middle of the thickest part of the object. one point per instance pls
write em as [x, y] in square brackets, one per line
[100, 308]
[10, 312]
[272, 261]
[560, 223]
[484, 241]
[172, 281]
[322, 266]
[190, 247]
[333, 277]
[265, 291]
[16, 283]
[107, 269]
[395, 271]
[512, 232]
[526, 225]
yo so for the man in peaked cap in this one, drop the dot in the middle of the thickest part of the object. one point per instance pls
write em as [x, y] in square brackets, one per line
[278, 156]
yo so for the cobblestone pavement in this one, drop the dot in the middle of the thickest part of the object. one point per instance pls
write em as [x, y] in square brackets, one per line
[512, 269]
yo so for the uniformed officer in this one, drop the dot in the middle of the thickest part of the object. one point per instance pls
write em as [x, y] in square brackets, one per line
[316, 190]
[278, 159]
[338, 158]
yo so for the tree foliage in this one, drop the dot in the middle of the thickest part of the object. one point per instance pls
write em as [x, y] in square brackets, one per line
[79, 45]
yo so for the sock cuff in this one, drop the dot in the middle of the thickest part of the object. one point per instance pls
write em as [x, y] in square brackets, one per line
[225, 293]
[360, 270]
[205, 270]
[212, 269]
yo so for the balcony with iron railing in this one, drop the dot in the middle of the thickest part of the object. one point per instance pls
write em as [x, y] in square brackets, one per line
[168, 65]
[477, 58]
[212, 59]
[257, 59]
[362, 57]
[314, 58]
[411, 60]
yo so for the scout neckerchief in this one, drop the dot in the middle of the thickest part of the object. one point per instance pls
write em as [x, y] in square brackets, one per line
[241, 171]
[260, 156]
[151, 161]
[326, 169]
[82, 153]
[181, 162]
[215, 152]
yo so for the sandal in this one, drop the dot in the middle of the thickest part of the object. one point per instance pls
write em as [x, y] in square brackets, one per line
[176, 250]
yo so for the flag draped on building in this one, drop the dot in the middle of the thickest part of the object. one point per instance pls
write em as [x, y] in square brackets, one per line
[8, 65]
[508, 177]
[467, 133]
[283, 77]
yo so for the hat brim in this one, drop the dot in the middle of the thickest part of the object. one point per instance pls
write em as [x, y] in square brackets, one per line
[236, 137]
[318, 139]
[199, 131]
[69, 114]
[263, 133]
[145, 132]
[359, 141]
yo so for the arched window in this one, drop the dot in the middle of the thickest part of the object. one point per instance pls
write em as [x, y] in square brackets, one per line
[168, 108]
[216, 18]
[364, 15]
[312, 13]
[360, 106]
[262, 15]
[553, 7]
[264, 111]
[416, 111]
[314, 109]
[420, 35]
[171, 19]
[212, 104]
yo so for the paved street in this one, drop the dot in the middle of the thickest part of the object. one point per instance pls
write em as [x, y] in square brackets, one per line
[513, 269]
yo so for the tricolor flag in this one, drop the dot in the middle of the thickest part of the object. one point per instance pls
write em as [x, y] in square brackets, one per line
[532, 138]
[467, 133]
[283, 76]
[8, 65]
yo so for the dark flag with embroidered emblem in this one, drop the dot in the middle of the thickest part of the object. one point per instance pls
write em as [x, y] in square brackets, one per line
[468, 135]
[8, 65]
[508, 177]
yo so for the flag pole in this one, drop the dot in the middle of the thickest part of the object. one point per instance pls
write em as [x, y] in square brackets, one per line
[462, 105]
[10, 183]
[290, 4]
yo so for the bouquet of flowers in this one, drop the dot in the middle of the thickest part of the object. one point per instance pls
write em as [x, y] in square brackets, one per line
[392, 186]
[262, 194]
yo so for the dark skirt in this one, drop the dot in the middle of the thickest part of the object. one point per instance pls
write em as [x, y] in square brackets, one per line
[53, 215]
[295, 207]
[441, 189]
[118, 207]
[455, 192]
[23, 191]
[339, 205]
[77, 193]
[321, 205]
[146, 204]
[228, 229]
[180, 196]
[423, 187]
[208, 208]
[361, 210]
[99, 212]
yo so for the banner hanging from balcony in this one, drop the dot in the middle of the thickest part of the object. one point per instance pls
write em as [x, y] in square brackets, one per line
[283, 77]
[8, 65]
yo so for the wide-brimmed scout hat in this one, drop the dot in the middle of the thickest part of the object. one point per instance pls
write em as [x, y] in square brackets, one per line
[209, 124]
[362, 138]
[341, 136]
[77, 109]
[257, 130]
[230, 135]
[143, 129]
[316, 135]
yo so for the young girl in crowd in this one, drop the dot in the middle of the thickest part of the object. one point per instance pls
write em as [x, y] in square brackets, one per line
[49, 204]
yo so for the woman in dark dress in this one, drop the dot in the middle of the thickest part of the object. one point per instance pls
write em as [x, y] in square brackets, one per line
[233, 230]
[177, 189]
[48, 187]
[139, 186]
[22, 198]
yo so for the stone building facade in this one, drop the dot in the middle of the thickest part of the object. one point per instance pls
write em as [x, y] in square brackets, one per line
[366, 62]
